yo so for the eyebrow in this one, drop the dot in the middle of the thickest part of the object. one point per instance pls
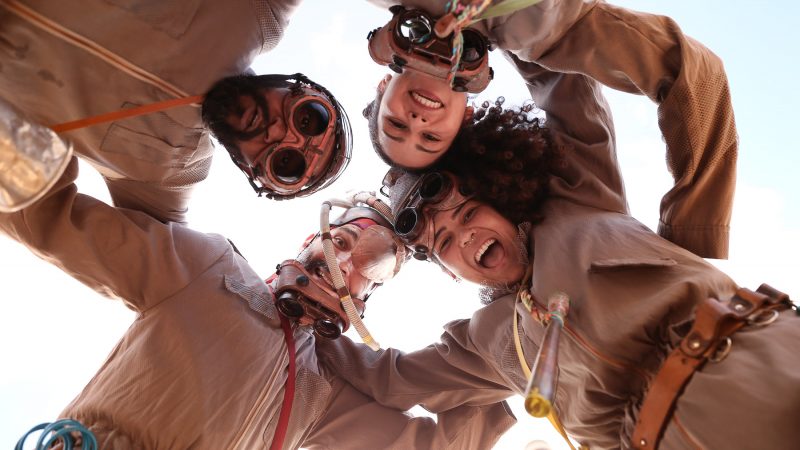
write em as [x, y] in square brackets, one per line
[401, 140]
[453, 216]
[349, 231]
[423, 149]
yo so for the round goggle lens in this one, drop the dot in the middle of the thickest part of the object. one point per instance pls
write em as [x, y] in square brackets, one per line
[311, 118]
[432, 186]
[416, 29]
[406, 222]
[289, 306]
[327, 328]
[288, 165]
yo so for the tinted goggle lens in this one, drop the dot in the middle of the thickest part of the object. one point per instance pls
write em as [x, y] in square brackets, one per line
[407, 222]
[311, 118]
[288, 165]
[416, 29]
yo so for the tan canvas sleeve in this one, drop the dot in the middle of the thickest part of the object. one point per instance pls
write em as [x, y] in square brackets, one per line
[117, 252]
[648, 54]
[439, 377]
[354, 421]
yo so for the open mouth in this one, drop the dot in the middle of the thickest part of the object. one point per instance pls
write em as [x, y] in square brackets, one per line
[426, 100]
[490, 254]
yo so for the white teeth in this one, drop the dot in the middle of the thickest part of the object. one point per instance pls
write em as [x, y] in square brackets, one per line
[482, 250]
[425, 101]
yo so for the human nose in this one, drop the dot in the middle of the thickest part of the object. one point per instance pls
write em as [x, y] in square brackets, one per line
[416, 116]
[466, 238]
[276, 130]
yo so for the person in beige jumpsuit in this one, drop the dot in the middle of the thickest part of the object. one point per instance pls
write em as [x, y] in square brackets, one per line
[632, 292]
[205, 361]
[641, 54]
[66, 60]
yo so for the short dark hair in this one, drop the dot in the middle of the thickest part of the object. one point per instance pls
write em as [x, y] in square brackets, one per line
[506, 157]
[223, 99]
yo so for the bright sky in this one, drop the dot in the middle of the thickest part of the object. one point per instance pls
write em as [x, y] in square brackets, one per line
[55, 333]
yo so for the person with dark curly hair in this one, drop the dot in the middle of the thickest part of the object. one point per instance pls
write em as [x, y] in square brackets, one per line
[505, 157]
[622, 49]
[655, 340]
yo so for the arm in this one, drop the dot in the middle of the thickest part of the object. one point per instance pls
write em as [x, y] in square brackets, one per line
[354, 421]
[117, 252]
[647, 54]
[439, 377]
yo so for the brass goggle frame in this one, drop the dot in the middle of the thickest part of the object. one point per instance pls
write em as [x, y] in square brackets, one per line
[300, 298]
[409, 41]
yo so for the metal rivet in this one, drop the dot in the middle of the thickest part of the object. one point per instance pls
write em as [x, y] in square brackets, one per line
[642, 443]
[738, 307]
[694, 344]
[302, 280]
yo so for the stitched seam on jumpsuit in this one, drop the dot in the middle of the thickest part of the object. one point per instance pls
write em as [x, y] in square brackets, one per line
[190, 282]
[683, 431]
[262, 9]
[582, 343]
[66, 35]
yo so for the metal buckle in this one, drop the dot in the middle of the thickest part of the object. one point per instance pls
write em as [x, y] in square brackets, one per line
[763, 318]
[723, 348]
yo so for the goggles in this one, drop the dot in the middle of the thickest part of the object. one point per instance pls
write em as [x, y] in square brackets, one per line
[432, 192]
[377, 256]
[309, 303]
[409, 41]
[315, 150]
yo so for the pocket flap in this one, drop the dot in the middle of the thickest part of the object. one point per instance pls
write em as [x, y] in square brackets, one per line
[602, 265]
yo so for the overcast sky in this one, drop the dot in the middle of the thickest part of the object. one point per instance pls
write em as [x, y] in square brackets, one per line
[55, 333]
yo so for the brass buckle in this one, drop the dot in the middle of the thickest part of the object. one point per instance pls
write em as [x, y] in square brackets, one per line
[723, 348]
[763, 318]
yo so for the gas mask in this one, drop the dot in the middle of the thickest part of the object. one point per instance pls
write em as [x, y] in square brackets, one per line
[315, 150]
[409, 41]
[328, 306]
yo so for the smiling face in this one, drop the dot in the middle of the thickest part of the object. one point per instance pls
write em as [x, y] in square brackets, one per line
[476, 243]
[418, 118]
[258, 122]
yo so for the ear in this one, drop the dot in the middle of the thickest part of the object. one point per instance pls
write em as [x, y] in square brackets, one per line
[384, 81]
[469, 111]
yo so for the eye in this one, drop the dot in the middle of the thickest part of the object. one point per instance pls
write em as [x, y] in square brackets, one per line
[431, 138]
[341, 243]
[469, 214]
[397, 124]
[444, 244]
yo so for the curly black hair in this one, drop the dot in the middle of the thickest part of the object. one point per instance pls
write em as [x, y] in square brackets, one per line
[506, 157]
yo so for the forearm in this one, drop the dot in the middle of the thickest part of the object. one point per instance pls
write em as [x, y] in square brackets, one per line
[649, 55]
[117, 252]
[439, 377]
[353, 420]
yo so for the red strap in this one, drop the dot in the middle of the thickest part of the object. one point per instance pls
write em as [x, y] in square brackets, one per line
[125, 113]
[288, 392]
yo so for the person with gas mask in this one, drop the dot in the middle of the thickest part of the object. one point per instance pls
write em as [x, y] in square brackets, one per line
[217, 356]
[62, 64]
[419, 110]
[656, 340]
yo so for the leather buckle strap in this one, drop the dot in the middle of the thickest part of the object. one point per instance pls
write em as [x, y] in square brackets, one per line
[709, 338]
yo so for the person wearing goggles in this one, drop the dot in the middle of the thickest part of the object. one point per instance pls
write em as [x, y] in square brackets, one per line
[151, 52]
[656, 337]
[414, 118]
[287, 134]
[217, 357]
